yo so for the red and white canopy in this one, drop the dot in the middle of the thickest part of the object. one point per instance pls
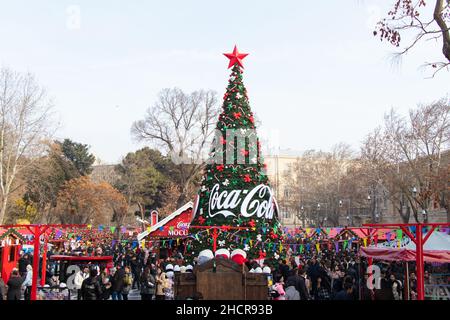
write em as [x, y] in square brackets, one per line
[175, 225]
[436, 249]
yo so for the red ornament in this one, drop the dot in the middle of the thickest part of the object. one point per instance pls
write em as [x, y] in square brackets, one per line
[220, 167]
[252, 223]
[222, 140]
[244, 152]
[247, 178]
[201, 220]
[237, 115]
[252, 120]
[262, 254]
[235, 57]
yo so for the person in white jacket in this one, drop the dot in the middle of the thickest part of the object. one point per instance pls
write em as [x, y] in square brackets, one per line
[28, 282]
[79, 278]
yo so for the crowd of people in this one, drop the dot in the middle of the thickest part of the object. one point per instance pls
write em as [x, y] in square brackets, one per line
[325, 275]
[343, 275]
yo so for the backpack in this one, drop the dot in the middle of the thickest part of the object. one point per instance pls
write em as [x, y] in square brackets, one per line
[128, 281]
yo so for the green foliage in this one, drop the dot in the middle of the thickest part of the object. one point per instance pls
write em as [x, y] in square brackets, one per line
[46, 177]
[143, 175]
[78, 154]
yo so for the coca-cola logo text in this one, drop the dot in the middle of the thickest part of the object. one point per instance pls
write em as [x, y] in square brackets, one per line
[259, 201]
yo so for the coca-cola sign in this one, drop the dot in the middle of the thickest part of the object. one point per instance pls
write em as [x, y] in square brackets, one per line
[257, 202]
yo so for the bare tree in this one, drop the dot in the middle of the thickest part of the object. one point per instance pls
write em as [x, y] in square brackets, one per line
[406, 155]
[24, 123]
[316, 178]
[181, 124]
[410, 15]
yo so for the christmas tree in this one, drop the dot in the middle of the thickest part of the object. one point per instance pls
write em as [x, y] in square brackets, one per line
[235, 207]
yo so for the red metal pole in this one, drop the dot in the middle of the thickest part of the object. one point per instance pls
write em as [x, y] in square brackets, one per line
[215, 239]
[36, 255]
[44, 262]
[419, 264]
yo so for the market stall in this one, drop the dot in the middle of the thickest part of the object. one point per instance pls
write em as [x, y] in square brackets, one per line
[175, 225]
[436, 249]
[416, 249]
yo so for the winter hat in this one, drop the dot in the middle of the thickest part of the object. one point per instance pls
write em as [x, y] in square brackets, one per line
[258, 270]
[223, 253]
[205, 256]
[169, 267]
[239, 256]
[170, 274]
[189, 268]
[176, 268]
[182, 269]
[266, 269]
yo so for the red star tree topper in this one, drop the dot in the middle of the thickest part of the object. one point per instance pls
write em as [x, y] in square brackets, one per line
[235, 57]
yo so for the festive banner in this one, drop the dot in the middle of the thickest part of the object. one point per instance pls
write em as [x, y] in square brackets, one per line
[388, 236]
[365, 242]
[336, 246]
[345, 244]
[318, 247]
[112, 229]
[58, 234]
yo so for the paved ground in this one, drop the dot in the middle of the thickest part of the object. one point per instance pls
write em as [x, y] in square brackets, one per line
[133, 295]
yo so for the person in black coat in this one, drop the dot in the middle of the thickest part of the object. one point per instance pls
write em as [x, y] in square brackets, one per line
[283, 268]
[346, 293]
[385, 291]
[23, 262]
[314, 272]
[90, 288]
[117, 284]
[15, 286]
[301, 285]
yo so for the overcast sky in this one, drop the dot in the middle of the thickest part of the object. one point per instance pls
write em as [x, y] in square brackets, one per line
[315, 74]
